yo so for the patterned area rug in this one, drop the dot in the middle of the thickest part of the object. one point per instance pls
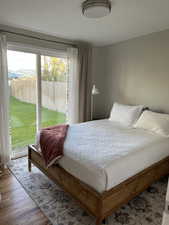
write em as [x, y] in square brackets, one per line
[145, 209]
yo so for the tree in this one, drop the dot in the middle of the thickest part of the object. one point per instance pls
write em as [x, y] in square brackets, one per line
[54, 69]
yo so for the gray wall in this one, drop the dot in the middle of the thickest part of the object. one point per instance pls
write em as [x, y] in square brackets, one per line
[133, 72]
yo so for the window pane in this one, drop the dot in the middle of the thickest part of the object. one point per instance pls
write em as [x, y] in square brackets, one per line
[22, 82]
[54, 90]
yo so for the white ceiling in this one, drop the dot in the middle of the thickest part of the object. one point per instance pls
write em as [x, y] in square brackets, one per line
[63, 18]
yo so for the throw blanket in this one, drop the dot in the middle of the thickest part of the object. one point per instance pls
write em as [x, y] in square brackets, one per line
[51, 143]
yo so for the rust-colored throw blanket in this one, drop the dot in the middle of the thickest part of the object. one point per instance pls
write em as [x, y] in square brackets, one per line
[52, 142]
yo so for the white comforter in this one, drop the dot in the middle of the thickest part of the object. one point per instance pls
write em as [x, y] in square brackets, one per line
[104, 153]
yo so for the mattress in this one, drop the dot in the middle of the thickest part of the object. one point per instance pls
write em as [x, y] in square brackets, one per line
[103, 153]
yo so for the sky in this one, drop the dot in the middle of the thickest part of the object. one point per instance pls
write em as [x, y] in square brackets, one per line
[21, 61]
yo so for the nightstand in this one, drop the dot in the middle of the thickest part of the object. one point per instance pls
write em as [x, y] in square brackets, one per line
[166, 211]
[99, 118]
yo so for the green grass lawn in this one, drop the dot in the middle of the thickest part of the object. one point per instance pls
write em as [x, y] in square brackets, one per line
[23, 121]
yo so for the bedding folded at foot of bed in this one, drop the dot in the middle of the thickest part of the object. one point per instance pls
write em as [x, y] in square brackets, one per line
[51, 141]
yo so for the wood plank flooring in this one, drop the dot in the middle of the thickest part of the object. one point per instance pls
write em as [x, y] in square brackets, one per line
[16, 207]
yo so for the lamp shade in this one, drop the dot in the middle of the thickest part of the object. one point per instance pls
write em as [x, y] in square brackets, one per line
[95, 91]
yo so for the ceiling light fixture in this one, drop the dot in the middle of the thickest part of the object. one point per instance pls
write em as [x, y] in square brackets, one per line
[96, 8]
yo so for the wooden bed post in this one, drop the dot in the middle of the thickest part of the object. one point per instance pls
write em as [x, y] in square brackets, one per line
[29, 159]
[99, 221]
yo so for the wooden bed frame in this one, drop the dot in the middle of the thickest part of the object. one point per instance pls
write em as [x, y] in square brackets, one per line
[100, 205]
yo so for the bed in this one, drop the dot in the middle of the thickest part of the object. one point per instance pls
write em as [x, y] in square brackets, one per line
[105, 164]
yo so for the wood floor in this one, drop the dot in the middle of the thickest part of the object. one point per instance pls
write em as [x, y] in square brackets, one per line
[16, 207]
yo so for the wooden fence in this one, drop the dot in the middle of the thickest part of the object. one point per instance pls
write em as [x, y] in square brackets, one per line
[54, 94]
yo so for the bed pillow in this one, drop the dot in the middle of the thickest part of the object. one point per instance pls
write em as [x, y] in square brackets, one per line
[154, 122]
[125, 114]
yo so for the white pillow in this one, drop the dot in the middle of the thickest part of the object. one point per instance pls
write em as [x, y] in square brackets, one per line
[155, 122]
[125, 114]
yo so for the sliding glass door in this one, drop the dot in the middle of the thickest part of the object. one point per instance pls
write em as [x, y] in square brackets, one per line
[38, 95]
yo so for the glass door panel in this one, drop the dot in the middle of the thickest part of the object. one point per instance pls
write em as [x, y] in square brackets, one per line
[22, 83]
[54, 90]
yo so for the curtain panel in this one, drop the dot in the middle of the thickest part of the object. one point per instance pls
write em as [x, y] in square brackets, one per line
[4, 104]
[73, 86]
[85, 82]
[80, 84]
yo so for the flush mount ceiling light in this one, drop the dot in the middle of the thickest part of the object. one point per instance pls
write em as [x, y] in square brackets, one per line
[96, 8]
